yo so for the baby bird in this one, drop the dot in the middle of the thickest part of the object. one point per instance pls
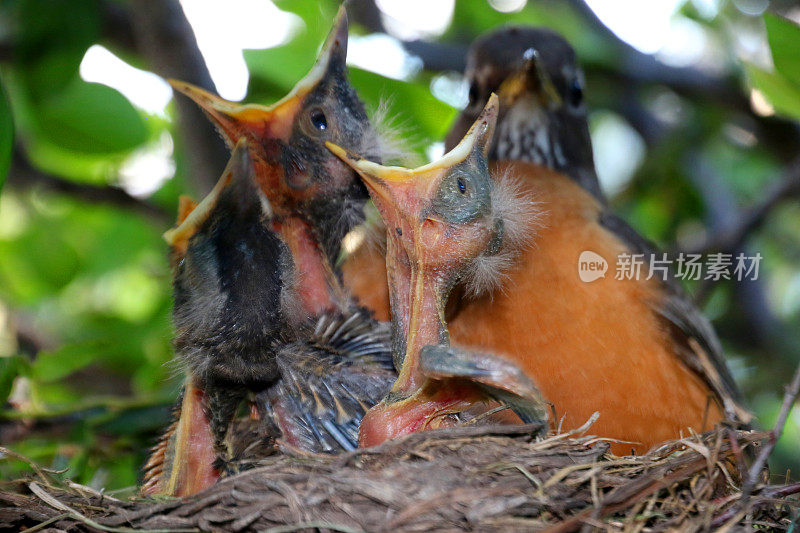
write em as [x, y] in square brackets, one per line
[444, 221]
[312, 199]
[315, 198]
[247, 342]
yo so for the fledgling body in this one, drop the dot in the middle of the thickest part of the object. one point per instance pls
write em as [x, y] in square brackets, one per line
[446, 222]
[246, 343]
[330, 360]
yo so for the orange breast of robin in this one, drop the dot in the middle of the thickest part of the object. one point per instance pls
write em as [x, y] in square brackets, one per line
[364, 275]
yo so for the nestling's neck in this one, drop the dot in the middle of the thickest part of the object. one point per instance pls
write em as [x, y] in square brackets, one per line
[417, 295]
[319, 287]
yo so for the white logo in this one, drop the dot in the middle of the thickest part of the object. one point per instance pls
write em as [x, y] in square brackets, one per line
[591, 266]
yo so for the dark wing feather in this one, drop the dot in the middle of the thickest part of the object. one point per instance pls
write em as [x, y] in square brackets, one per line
[498, 378]
[694, 336]
[330, 380]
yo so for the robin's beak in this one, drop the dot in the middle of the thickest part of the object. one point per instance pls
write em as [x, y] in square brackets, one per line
[259, 122]
[191, 216]
[530, 77]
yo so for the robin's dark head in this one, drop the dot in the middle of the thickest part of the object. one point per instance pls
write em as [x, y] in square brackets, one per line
[299, 176]
[543, 116]
[232, 280]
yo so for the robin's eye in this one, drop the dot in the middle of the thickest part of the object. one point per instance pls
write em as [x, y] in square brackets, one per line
[462, 186]
[318, 120]
[575, 93]
[473, 93]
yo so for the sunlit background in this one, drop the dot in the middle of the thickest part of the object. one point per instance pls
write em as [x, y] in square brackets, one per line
[85, 287]
[653, 27]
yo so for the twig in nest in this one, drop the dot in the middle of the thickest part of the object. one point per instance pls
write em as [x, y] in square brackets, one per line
[792, 391]
[72, 513]
[753, 476]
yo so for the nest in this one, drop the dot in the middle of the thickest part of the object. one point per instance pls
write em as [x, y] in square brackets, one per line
[460, 479]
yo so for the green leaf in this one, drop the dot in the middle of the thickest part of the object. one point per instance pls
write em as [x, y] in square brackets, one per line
[50, 41]
[91, 118]
[784, 42]
[276, 70]
[6, 135]
[781, 93]
[52, 366]
[10, 368]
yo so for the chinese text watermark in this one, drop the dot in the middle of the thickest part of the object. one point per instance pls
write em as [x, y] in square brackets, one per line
[685, 266]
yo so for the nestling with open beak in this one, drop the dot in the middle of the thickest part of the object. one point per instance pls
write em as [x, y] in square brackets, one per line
[316, 199]
[245, 342]
[442, 221]
[312, 199]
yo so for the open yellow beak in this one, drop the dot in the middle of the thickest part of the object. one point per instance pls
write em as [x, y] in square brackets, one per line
[385, 182]
[275, 121]
[403, 194]
[191, 216]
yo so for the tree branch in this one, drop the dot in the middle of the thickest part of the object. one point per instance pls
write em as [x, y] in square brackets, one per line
[732, 237]
[24, 176]
[166, 40]
[789, 399]
[722, 213]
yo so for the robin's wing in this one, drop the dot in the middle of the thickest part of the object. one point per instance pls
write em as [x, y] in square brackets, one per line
[330, 381]
[499, 378]
[694, 336]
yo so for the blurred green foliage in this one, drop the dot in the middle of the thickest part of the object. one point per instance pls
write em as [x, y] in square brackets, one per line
[6, 135]
[782, 86]
[85, 379]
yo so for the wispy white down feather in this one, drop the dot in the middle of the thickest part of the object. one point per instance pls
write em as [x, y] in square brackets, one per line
[521, 218]
[394, 136]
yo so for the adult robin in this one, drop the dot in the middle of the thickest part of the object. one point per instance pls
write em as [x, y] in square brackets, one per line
[246, 342]
[445, 221]
[634, 349]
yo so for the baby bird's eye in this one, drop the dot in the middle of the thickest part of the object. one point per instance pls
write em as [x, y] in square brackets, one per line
[462, 197]
[318, 120]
